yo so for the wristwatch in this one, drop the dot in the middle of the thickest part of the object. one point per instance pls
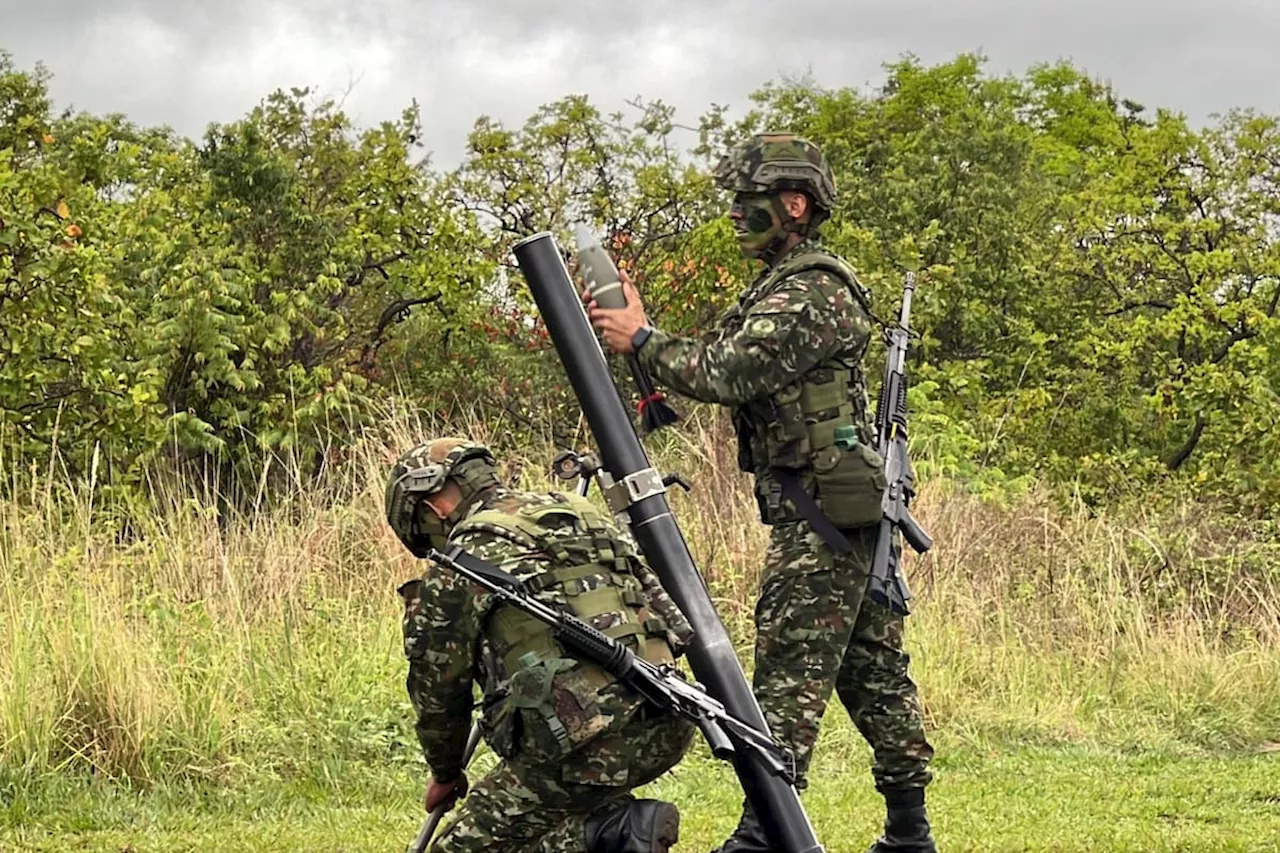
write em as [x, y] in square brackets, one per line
[642, 334]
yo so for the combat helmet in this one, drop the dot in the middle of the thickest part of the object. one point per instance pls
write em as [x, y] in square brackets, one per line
[423, 471]
[778, 160]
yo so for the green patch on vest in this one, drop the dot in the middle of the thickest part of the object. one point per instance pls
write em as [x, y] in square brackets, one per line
[761, 327]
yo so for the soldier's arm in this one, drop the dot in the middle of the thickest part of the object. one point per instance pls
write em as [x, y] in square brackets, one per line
[783, 336]
[441, 634]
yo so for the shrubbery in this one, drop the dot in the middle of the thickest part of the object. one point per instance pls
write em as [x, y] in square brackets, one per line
[1097, 297]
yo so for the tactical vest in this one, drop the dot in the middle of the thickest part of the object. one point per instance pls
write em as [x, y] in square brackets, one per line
[817, 427]
[544, 703]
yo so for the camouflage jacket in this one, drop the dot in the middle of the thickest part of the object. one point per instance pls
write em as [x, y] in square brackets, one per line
[446, 643]
[771, 339]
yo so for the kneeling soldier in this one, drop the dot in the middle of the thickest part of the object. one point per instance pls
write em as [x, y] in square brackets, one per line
[573, 740]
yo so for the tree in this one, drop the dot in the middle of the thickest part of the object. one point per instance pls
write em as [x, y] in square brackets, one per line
[1099, 286]
[659, 215]
[212, 303]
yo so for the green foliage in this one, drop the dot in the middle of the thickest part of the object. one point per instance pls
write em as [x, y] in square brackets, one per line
[252, 665]
[571, 163]
[59, 368]
[992, 796]
[213, 302]
[1099, 286]
[306, 242]
[1098, 283]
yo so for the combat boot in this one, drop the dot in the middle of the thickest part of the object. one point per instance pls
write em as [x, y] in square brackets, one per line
[637, 826]
[749, 837]
[906, 825]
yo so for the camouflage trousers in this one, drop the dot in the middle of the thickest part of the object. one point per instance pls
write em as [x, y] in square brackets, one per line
[533, 809]
[816, 630]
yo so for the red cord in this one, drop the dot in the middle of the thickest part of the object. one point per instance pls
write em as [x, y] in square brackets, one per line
[655, 397]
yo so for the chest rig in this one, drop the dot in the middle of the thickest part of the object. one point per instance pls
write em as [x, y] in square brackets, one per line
[811, 440]
[548, 703]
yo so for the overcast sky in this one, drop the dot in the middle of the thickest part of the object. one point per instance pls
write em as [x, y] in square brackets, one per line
[190, 62]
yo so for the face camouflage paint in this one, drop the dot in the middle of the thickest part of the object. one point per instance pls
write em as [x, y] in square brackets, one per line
[760, 225]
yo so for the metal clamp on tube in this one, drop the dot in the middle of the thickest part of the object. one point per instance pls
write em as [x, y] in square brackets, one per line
[632, 489]
[625, 465]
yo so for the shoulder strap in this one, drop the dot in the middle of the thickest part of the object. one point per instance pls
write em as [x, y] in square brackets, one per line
[827, 262]
[515, 527]
[525, 526]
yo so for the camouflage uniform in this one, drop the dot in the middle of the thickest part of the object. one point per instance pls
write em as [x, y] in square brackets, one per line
[816, 630]
[573, 746]
[806, 320]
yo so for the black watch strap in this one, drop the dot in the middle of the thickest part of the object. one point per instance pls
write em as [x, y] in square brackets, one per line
[642, 334]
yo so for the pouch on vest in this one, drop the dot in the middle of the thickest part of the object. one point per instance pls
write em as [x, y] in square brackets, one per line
[501, 726]
[554, 699]
[847, 473]
[850, 484]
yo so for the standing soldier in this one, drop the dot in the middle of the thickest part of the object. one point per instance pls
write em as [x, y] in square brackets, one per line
[788, 359]
[574, 741]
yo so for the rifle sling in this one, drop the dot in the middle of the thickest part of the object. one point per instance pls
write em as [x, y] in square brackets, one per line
[812, 513]
[485, 569]
[492, 573]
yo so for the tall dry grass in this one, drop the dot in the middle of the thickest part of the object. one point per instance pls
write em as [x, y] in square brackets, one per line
[1032, 621]
[184, 644]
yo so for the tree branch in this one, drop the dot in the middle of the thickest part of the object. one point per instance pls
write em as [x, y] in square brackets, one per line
[1133, 306]
[1183, 453]
[396, 312]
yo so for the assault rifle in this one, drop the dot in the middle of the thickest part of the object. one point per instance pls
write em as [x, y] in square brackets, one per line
[888, 585]
[663, 686]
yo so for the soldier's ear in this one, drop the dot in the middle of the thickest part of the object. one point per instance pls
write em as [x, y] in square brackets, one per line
[444, 501]
[796, 203]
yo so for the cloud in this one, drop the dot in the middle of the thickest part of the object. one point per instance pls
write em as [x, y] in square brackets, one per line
[188, 63]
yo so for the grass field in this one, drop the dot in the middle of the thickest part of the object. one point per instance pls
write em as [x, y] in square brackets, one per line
[183, 683]
[987, 798]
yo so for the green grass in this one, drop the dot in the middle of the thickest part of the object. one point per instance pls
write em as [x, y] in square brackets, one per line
[986, 798]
